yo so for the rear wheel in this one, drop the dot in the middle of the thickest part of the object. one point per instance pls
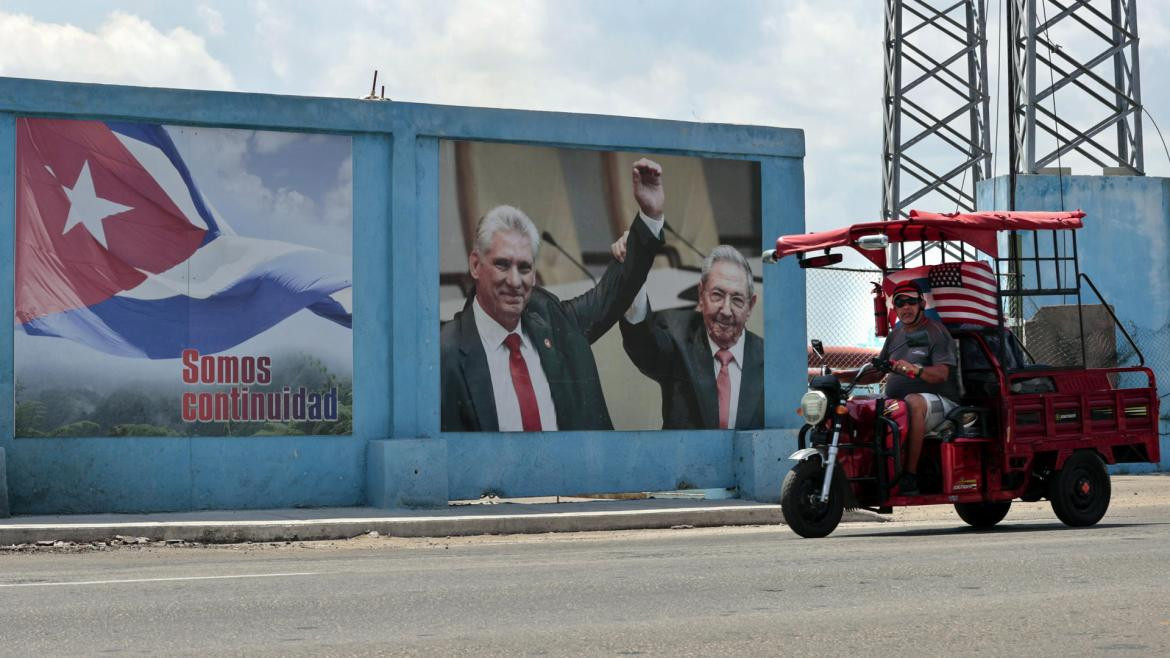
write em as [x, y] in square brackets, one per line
[800, 500]
[1080, 491]
[983, 515]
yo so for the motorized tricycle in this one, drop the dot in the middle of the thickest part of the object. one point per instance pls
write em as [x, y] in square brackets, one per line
[1028, 426]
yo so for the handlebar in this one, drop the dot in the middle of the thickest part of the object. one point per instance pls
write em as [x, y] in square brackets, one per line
[881, 365]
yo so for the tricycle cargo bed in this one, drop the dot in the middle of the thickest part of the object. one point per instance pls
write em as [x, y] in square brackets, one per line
[1089, 409]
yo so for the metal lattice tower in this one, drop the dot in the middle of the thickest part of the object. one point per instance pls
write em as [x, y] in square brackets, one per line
[1088, 50]
[936, 142]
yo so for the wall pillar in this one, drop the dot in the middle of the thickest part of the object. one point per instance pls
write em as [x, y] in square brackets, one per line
[4, 509]
[761, 462]
[406, 473]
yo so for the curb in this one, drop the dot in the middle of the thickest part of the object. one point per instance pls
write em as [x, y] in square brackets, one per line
[226, 532]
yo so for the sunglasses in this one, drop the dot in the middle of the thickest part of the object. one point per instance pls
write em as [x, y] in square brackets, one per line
[899, 302]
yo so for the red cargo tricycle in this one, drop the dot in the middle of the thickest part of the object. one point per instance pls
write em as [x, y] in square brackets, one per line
[1046, 400]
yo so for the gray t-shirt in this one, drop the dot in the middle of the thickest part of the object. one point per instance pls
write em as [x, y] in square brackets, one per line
[932, 345]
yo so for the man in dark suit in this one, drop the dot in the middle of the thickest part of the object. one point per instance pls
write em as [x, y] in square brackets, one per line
[710, 369]
[517, 358]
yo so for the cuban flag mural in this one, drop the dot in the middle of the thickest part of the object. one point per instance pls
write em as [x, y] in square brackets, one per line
[177, 280]
[118, 250]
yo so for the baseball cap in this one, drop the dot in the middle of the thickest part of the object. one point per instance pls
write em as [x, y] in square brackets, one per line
[908, 288]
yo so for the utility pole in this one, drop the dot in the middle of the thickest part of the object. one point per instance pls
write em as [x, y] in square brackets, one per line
[1088, 51]
[936, 141]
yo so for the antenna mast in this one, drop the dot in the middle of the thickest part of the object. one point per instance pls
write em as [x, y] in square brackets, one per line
[936, 144]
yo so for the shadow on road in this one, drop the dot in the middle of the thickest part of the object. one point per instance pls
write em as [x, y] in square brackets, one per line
[999, 529]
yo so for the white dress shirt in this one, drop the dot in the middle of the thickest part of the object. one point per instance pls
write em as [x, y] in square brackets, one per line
[734, 370]
[641, 304]
[492, 335]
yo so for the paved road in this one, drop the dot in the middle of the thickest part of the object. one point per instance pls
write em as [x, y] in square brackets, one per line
[908, 587]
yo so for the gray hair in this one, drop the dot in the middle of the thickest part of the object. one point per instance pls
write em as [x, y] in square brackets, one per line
[505, 218]
[729, 254]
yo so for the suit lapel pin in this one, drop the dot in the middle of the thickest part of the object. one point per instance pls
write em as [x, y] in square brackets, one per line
[547, 344]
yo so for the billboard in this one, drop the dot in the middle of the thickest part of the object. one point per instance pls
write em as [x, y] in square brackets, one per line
[597, 290]
[177, 280]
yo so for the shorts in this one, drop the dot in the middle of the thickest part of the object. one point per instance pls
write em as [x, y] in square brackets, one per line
[937, 408]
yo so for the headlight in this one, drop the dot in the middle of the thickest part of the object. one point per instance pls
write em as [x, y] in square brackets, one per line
[813, 406]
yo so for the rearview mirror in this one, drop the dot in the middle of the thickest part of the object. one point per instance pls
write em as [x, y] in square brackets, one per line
[821, 261]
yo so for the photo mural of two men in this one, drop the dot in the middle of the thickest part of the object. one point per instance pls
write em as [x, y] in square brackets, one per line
[519, 356]
[177, 280]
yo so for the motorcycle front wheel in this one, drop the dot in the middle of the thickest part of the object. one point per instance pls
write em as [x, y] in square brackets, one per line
[800, 500]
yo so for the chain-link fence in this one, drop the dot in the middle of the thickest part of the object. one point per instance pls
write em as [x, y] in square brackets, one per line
[840, 314]
[1052, 336]
[1155, 347]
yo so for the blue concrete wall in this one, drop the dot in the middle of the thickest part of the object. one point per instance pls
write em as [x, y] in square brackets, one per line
[397, 455]
[1124, 248]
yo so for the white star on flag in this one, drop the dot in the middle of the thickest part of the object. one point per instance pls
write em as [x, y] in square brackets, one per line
[86, 208]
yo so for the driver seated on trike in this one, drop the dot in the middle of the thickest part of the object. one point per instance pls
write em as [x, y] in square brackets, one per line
[921, 355]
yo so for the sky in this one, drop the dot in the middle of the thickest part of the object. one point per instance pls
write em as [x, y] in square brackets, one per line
[808, 64]
[296, 187]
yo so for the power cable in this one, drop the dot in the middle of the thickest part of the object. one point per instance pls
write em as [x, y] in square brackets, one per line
[1151, 117]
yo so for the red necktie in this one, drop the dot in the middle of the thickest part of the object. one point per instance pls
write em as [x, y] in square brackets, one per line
[723, 387]
[529, 411]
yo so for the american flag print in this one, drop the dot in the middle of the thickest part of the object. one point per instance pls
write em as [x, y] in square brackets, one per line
[956, 293]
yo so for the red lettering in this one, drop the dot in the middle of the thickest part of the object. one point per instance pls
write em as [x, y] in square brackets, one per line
[207, 370]
[228, 370]
[248, 370]
[263, 370]
[222, 407]
[188, 400]
[190, 370]
[205, 409]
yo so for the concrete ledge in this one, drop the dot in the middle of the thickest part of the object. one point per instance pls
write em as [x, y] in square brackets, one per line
[4, 509]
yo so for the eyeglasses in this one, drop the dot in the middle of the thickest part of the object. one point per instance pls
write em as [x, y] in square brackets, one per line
[899, 302]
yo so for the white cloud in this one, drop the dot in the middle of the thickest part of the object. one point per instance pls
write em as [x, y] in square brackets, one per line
[222, 160]
[814, 65]
[271, 141]
[808, 66]
[339, 199]
[218, 157]
[124, 49]
[289, 205]
[212, 19]
[273, 29]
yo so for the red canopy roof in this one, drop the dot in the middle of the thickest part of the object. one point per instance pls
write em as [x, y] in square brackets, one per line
[977, 229]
